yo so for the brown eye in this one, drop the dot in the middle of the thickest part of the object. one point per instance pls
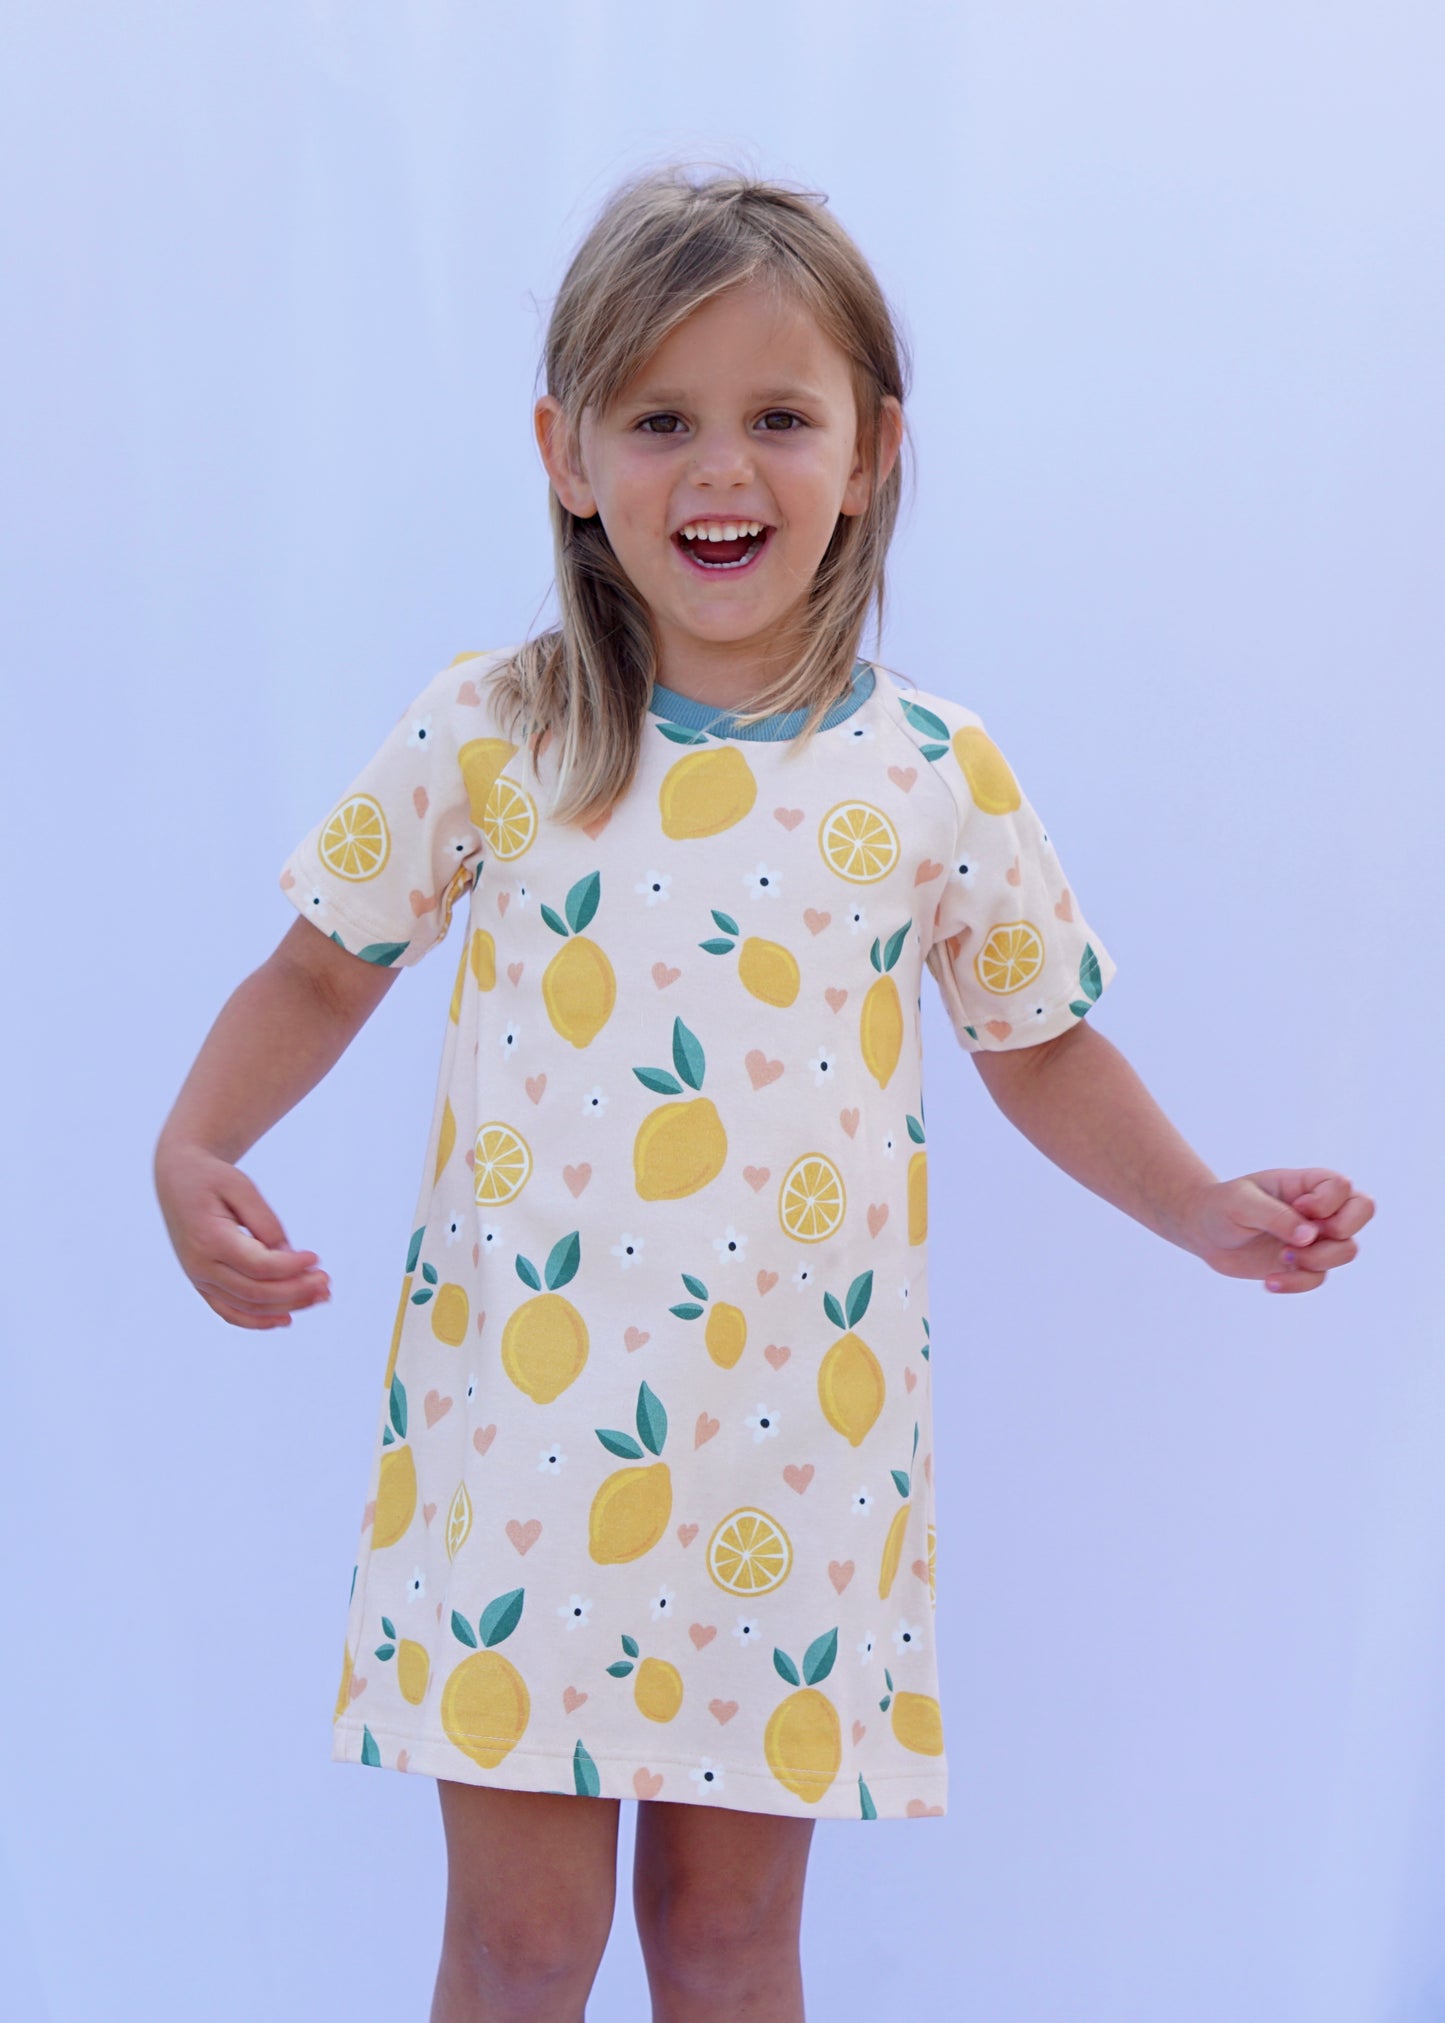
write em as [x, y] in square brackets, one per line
[643, 424]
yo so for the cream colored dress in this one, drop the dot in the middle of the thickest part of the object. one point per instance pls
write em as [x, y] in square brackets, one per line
[651, 1504]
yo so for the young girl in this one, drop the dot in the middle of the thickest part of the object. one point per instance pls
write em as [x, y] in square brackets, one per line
[651, 1504]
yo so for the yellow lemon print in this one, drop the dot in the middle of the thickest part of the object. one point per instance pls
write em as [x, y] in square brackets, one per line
[932, 1570]
[355, 842]
[395, 1495]
[880, 1026]
[893, 1544]
[579, 988]
[459, 1520]
[705, 793]
[485, 1704]
[749, 1553]
[630, 1510]
[545, 1343]
[657, 1689]
[767, 970]
[343, 1694]
[858, 842]
[451, 1315]
[725, 1333]
[918, 1722]
[681, 1146]
[1012, 956]
[811, 1198]
[989, 775]
[484, 959]
[481, 759]
[509, 819]
[503, 1164]
[413, 1666]
[917, 1185]
[446, 1140]
[803, 1739]
[851, 1385]
[412, 1254]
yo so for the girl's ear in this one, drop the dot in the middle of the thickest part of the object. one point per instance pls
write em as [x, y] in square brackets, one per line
[559, 455]
[890, 439]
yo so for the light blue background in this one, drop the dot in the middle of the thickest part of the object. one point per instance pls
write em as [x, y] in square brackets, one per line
[277, 278]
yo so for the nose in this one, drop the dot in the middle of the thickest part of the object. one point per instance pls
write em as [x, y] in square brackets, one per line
[721, 456]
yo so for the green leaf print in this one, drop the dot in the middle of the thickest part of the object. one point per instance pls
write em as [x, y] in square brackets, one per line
[915, 1130]
[819, 1657]
[680, 735]
[717, 947]
[859, 1294]
[621, 1668]
[553, 919]
[621, 1444]
[430, 1273]
[527, 1272]
[659, 1081]
[866, 1808]
[370, 1754]
[462, 1629]
[584, 1772]
[935, 751]
[501, 1617]
[389, 1627]
[834, 1312]
[784, 1664]
[630, 1645]
[1090, 980]
[581, 901]
[694, 1285]
[383, 953]
[413, 1249]
[398, 1407]
[901, 1481]
[924, 720]
[726, 922]
[563, 1259]
[686, 1310]
[651, 1419]
[687, 1055]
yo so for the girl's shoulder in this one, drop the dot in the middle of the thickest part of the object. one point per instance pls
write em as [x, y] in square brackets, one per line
[926, 717]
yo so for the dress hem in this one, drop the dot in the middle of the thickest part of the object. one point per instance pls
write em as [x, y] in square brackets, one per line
[925, 1796]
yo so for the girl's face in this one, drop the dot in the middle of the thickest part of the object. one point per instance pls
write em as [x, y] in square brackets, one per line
[745, 414]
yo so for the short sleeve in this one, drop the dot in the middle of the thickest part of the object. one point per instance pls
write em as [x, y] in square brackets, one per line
[382, 869]
[1015, 960]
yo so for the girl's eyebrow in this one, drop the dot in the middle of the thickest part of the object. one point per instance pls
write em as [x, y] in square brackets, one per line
[671, 396]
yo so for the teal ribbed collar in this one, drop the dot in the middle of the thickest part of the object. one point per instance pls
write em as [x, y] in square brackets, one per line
[699, 716]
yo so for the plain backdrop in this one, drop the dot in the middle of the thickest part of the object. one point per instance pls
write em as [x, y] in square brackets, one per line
[276, 280]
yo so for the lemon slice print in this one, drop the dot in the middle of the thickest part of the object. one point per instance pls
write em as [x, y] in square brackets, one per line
[749, 1553]
[503, 1163]
[356, 841]
[1012, 956]
[858, 842]
[509, 818]
[811, 1199]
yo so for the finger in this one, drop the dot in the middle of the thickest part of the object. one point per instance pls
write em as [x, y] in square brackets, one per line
[1298, 1280]
[1324, 1254]
[1259, 1210]
[238, 1318]
[254, 1259]
[260, 1296]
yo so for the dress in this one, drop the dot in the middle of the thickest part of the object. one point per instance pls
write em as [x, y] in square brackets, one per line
[651, 1503]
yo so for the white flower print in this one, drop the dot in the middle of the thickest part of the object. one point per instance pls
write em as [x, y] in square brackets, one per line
[510, 1038]
[745, 1629]
[890, 1144]
[862, 1501]
[491, 1236]
[420, 732]
[823, 1067]
[905, 1292]
[730, 1245]
[857, 919]
[865, 1649]
[654, 886]
[763, 883]
[316, 902]
[452, 1229]
[416, 1586]
[861, 734]
[552, 1462]
[627, 1249]
[576, 1610]
[471, 1387]
[764, 1424]
[594, 1102]
[707, 1777]
[964, 873]
[907, 1636]
[803, 1277]
[519, 893]
[662, 1603]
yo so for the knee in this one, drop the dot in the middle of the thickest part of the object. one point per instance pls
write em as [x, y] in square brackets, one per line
[517, 1949]
[698, 1930]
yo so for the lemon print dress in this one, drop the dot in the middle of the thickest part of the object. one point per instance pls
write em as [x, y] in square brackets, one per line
[650, 1511]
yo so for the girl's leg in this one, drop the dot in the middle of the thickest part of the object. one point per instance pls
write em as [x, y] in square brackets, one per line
[531, 1881]
[718, 1896]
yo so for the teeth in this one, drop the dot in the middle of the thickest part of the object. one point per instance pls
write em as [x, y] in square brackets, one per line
[727, 530]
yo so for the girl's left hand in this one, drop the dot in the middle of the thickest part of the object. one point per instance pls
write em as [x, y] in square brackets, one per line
[1288, 1226]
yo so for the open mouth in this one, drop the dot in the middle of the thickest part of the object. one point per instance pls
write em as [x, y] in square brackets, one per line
[719, 558]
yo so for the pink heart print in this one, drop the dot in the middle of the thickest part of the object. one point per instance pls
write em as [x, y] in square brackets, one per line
[524, 1536]
[789, 817]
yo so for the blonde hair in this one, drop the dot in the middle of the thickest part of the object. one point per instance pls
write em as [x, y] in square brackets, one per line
[662, 245]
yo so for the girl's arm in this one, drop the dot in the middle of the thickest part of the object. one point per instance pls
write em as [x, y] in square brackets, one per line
[1078, 1099]
[274, 1039]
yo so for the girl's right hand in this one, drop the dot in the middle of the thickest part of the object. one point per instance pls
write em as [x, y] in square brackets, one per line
[230, 1243]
